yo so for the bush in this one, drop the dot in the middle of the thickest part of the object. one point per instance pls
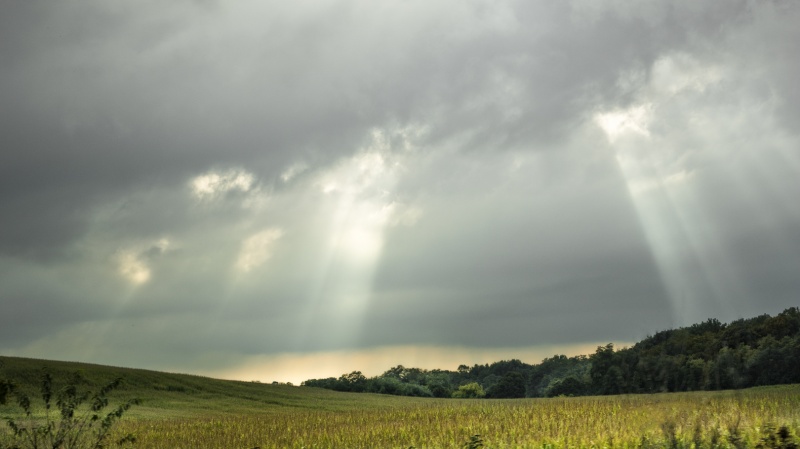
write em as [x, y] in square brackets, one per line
[470, 390]
[76, 427]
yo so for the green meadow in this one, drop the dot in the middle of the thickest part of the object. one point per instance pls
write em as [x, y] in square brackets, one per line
[185, 411]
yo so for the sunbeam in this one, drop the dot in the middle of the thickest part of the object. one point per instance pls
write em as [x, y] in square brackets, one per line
[687, 187]
[357, 204]
[684, 240]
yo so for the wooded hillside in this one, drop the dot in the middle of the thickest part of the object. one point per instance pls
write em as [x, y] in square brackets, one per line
[711, 355]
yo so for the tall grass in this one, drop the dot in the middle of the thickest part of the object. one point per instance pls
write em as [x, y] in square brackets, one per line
[690, 420]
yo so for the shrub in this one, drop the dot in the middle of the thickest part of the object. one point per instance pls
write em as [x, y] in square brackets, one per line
[76, 427]
[470, 390]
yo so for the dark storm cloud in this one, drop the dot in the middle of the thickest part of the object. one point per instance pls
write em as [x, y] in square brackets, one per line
[550, 251]
[217, 180]
[102, 99]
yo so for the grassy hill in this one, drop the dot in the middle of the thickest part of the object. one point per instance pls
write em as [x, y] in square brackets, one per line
[184, 395]
[186, 411]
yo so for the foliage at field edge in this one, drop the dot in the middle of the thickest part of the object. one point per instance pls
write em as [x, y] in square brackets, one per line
[764, 350]
[80, 419]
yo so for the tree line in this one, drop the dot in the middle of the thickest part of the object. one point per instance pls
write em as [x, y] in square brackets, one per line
[764, 350]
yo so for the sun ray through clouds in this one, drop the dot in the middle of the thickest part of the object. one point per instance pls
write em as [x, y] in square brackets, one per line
[357, 205]
[660, 179]
[674, 182]
[135, 266]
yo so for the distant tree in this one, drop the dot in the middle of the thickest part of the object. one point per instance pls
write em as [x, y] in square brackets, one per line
[392, 385]
[511, 385]
[386, 385]
[695, 374]
[488, 381]
[439, 385]
[785, 324]
[504, 367]
[355, 382]
[570, 386]
[603, 378]
[763, 350]
[726, 371]
[416, 390]
[329, 383]
[555, 368]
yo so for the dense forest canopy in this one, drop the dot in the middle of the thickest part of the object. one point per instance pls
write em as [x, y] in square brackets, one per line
[711, 355]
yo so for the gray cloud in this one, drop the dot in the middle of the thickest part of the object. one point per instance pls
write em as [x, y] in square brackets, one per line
[205, 182]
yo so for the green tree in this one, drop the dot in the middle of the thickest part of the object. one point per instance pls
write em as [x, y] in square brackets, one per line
[439, 385]
[511, 385]
[696, 376]
[355, 382]
[604, 373]
[570, 386]
[726, 371]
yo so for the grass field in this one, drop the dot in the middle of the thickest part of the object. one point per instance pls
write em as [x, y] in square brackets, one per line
[180, 411]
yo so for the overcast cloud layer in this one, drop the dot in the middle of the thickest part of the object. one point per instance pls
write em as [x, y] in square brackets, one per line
[198, 186]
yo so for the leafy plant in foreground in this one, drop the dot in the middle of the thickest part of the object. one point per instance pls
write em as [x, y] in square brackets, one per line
[475, 442]
[777, 439]
[75, 427]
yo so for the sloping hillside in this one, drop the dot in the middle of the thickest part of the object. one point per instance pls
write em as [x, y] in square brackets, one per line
[184, 395]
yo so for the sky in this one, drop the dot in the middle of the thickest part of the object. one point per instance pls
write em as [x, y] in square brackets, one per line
[277, 191]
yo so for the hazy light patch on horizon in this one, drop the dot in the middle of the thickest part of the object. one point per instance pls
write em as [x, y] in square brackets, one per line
[296, 368]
